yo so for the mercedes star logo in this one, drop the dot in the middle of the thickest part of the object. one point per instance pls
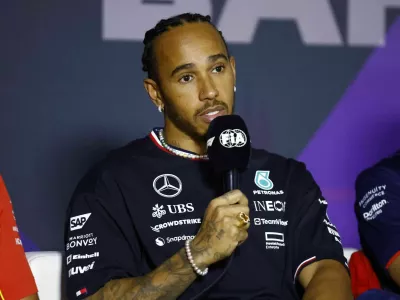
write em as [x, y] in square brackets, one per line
[167, 185]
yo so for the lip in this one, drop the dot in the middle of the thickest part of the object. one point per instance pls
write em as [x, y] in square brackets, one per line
[207, 119]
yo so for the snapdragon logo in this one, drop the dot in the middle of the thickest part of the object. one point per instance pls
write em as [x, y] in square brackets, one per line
[161, 241]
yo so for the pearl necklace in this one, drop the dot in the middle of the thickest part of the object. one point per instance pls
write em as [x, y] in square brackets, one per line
[178, 152]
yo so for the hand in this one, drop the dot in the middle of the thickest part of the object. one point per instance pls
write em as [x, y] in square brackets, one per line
[220, 232]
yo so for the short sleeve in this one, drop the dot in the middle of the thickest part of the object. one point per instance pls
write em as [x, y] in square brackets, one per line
[377, 209]
[315, 237]
[100, 240]
[18, 281]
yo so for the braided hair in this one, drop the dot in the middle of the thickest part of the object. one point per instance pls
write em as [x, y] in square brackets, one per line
[148, 60]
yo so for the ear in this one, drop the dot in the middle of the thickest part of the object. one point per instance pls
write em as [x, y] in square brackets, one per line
[233, 66]
[154, 92]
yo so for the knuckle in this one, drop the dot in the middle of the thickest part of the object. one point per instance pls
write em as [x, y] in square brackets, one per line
[226, 220]
[212, 205]
[219, 212]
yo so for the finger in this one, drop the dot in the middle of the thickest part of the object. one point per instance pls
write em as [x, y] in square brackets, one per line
[233, 210]
[241, 225]
[242, 236]
[230, 198]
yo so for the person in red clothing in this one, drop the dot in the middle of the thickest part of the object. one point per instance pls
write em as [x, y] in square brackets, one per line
[16, 279]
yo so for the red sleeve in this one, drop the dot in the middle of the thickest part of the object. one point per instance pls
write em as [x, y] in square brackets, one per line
[16, 279]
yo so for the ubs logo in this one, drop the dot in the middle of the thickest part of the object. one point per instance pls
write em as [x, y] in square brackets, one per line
[159, 211]
[167, 185]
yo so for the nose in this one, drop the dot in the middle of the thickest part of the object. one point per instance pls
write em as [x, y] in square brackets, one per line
[208, 90]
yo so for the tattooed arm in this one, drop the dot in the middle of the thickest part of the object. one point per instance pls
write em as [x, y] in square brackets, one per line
[217, 238]
[168, 281]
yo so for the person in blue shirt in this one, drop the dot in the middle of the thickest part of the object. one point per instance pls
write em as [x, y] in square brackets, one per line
[377, 210]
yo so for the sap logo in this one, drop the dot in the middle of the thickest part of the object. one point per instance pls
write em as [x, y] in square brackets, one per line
[231, 138]
[80, 270]
[76, 223]
[366, 19]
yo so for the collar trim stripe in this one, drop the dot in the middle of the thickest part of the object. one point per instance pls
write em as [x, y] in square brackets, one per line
[154, 137]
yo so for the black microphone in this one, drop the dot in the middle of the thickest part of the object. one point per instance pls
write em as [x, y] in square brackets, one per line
[228, 149]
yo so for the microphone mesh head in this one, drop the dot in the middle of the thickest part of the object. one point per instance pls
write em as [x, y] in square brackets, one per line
[228, 143]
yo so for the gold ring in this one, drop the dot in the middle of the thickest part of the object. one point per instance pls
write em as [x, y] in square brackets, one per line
[243, 218]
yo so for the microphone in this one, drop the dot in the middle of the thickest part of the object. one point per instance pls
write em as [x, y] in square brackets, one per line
[228, 149]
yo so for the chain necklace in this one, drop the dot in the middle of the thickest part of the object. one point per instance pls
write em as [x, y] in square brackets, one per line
[178, 152]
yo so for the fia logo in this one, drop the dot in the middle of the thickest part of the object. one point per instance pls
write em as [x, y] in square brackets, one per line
[262, 180]
[76, 223]
[231, 138]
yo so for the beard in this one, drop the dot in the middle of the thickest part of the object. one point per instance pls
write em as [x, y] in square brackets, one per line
[188, 126]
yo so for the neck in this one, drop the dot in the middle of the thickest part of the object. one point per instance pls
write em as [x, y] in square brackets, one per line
[176, 138]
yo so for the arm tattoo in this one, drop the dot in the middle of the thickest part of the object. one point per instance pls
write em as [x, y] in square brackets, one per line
[220, 234]
[166, 282]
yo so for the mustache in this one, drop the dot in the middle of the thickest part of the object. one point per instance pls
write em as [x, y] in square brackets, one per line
[213, 104]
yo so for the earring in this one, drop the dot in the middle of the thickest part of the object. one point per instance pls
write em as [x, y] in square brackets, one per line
[234, 88]
[160, 109]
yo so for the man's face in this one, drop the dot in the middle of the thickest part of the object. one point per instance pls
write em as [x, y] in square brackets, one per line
[195, 76]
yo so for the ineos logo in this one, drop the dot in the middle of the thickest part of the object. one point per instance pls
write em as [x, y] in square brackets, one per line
[167, 185]
[231, 138]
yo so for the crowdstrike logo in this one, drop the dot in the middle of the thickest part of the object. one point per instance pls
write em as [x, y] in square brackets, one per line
[159, 227]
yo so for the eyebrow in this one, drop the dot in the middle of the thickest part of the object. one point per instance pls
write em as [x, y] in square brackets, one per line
[211, 58]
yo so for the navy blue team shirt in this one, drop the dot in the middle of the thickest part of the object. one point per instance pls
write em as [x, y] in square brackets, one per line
[377, 209]
[135, 209]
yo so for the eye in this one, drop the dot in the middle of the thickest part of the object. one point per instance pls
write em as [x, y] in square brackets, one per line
[186, 78]
[218, 69]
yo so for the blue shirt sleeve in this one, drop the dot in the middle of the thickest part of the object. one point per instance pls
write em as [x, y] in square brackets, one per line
[377, 209]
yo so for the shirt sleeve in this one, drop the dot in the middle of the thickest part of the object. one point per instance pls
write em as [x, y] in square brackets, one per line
[100, 240]
[16, 278]
[315, 237]
[378, 212]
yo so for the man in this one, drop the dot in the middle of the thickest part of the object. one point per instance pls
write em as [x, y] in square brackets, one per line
[149, 222]
[16, 279]
[377, 209]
